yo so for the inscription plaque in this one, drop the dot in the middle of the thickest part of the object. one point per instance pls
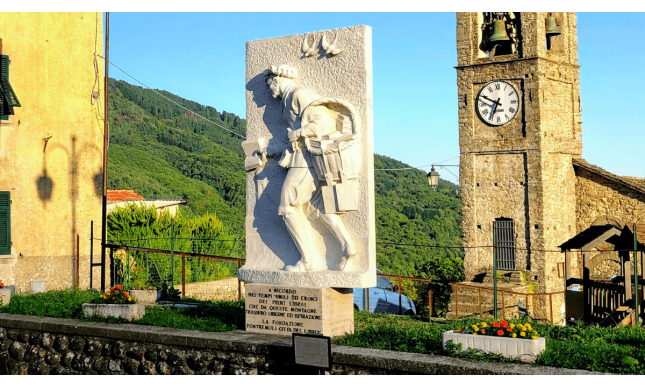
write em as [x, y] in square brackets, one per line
[284, 310]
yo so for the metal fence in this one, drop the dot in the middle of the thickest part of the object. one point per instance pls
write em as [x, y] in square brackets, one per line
[512, 303]
[199, 275]
[428, 296]
[141, 267]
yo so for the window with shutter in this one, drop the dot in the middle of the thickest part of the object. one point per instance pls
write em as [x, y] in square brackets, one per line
[5, 223]
[8, 98]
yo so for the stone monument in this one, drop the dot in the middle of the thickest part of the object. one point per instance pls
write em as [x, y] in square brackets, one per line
[310, 231]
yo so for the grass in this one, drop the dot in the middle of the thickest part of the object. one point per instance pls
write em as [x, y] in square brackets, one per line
[59, 303]
[222, 316]
[612, 350]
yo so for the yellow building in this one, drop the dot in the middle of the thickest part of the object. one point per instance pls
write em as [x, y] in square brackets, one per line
[51, 146]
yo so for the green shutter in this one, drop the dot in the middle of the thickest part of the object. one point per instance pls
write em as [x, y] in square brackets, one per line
[4, 73]
[8, 98]
[5, 223]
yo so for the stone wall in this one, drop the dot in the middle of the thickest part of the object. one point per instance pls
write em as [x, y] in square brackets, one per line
[44, 346]
[598, 197]
[222, 290]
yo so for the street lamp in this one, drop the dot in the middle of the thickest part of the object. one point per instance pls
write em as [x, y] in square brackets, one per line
[433, 178]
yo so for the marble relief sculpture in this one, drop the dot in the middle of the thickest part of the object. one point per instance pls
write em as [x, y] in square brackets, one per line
[322, 167]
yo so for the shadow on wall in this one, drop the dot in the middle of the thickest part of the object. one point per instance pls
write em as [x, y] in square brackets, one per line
[45, 185]
[98, 183]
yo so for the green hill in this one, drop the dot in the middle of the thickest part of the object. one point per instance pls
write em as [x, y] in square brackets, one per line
[163, 151]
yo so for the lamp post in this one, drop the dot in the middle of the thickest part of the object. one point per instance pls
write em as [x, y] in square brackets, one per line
[433, 178]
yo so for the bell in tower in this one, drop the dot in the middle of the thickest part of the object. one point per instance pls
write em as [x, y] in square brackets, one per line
[498, 33]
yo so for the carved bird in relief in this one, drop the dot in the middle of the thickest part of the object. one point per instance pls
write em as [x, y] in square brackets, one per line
[309, 51]
[331, 49]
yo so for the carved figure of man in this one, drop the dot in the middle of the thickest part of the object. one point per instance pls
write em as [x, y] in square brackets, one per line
[300, 198]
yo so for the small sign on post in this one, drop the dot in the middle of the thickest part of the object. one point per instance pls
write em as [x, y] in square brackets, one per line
[312, 351]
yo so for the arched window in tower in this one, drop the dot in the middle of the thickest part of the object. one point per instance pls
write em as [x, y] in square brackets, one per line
[504, 236]
[500, 33]
[553, 31]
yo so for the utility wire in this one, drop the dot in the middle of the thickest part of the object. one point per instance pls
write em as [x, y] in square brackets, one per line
[241, 136]
[450, 172]
[163, 96]
[419, 167]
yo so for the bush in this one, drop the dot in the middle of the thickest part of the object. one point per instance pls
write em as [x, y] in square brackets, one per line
[58, 303]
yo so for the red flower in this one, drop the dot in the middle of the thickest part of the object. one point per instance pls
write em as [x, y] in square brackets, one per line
[509, 329]
[500, 332]
[140, 269]
[483, 331]
[119, 287]
[112, 289]
[458, 331]
[504, 323]
[495, 325]
[1, 285]
[113, 298]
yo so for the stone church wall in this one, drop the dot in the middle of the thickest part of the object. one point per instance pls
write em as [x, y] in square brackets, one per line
[599, 196]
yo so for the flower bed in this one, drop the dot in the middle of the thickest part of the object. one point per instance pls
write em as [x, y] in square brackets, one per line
[515, 341]
[115, 303]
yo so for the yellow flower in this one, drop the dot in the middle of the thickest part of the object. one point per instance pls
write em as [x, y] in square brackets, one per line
[520, 326]
[514, 335]
[474, 333]
[528, 326]
[512, 326]
[524, 329]
[534, 337]
[484, 324]
[522, 334]
[129, 298]
[101, 296]
[475, 327]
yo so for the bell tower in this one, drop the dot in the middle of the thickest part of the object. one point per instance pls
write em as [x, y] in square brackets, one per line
[519, 129]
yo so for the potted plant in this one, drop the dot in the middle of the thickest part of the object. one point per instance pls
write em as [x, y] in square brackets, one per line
[143, 293]
[137, 282]
[516, 341]
[5, 294]
[117, 302]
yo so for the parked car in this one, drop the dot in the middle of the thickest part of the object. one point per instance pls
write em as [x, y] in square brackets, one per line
[383, 298]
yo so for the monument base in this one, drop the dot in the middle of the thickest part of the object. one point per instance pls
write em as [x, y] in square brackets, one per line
[283, 310]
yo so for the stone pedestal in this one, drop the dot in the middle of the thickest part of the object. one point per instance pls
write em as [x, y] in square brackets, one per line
[283, 310]
[5, 296]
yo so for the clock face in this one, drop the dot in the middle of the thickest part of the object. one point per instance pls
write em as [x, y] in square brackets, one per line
[497, 103]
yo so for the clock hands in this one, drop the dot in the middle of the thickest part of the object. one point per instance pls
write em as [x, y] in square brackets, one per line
[495, 102]
[492, 107]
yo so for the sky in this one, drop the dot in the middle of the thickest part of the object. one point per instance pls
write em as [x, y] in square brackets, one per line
[201, 57]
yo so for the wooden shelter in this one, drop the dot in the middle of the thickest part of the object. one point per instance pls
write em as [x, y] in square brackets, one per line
[607, 304]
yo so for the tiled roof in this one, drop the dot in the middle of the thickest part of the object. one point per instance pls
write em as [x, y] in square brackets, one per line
[635, 183]
[118, 195]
